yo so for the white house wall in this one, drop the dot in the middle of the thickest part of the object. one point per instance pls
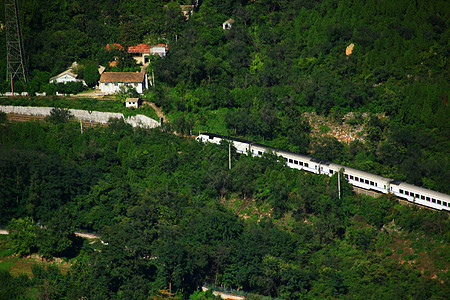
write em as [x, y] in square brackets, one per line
[114, 87]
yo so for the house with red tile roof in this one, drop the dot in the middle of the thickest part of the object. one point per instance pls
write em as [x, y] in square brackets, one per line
[142, 52]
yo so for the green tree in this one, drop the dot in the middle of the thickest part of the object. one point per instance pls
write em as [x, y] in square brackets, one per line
[22, 236]
[91, 75]
[59, 115]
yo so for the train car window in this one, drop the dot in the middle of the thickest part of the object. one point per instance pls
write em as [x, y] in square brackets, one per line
[366, 181]
[301, 163]
[401, 191]
[306, 165]
[433, 200]
[331, 171]
[296, 162]
[287, 160]
[371, 183]
[361, 180]
[351, 177]
[346, 176]
[439, 202]
[417, 196]
[428, 198]
[422, 197]
[406, 193]
[291, 161]
[259, 153]
[444, 203]
[376, 184]
[356, 178]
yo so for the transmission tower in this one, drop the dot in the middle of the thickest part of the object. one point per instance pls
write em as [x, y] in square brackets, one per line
[14, 44]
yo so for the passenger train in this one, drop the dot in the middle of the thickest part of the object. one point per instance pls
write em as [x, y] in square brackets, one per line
[364, 180]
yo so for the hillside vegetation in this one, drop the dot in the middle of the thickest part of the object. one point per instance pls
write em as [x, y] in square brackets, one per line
[167, 210]
[170, 213]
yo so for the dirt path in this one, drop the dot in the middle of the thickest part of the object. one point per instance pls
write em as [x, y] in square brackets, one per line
[158, 111]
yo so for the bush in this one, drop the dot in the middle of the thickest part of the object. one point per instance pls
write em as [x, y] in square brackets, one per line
[59, 115]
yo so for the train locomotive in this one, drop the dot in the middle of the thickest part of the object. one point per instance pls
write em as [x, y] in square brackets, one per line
[357, 178]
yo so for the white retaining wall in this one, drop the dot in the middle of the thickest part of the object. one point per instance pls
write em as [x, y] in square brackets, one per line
[83, 115]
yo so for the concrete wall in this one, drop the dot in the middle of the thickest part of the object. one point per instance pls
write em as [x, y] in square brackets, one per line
[83, 115]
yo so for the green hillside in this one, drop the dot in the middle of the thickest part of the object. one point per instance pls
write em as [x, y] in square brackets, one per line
[171, 215]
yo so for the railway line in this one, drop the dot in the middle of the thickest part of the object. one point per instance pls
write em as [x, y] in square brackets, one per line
[362, 182]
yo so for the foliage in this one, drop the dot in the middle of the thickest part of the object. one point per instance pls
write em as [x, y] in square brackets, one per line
[22, 236]
[157, 202]
[91, 75]
[59, 115]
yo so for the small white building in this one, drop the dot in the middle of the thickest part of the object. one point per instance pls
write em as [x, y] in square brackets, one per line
[228, 24]
[132, 102]
[111, 82]
[160, 49]
[67, 76]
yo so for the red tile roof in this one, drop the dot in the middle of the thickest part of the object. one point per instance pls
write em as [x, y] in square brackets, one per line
[122, 77]
[114, 46]
[141, 48]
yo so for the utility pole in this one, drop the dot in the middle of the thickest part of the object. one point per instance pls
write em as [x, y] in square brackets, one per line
[339, 184]
[229, 156]
[14, 45]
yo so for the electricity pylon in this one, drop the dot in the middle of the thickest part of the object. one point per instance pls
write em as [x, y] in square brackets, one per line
[14, 45]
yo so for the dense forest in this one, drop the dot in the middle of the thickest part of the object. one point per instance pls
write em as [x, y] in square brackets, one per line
[170, 213]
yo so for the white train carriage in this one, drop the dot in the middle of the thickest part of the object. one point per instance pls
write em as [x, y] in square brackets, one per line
[242, 146]
[422, 196]
[297, 161]
[210, 138]
[366, 180]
